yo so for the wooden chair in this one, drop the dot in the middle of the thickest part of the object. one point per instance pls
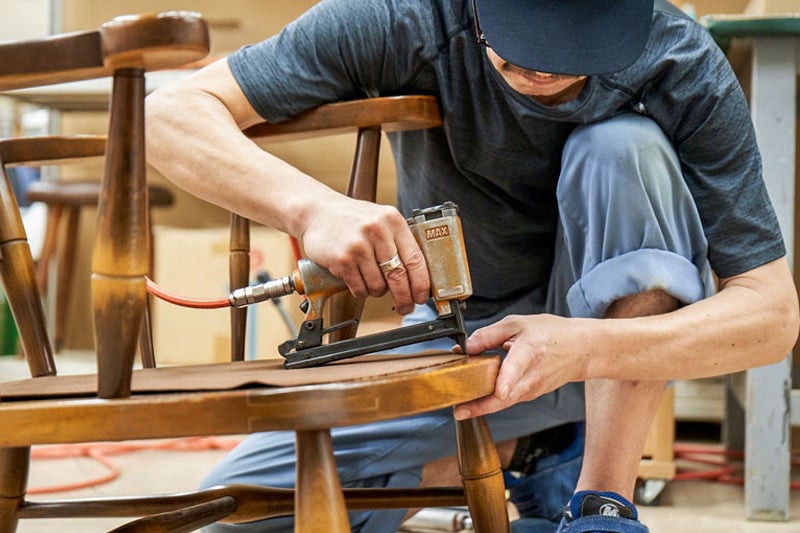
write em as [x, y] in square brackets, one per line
[68, 198]
[232, 398]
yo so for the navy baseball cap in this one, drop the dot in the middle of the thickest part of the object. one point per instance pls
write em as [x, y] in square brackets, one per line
[579, 37]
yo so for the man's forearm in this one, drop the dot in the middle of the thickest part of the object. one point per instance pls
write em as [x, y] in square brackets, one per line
[205, 153]
[752, 321]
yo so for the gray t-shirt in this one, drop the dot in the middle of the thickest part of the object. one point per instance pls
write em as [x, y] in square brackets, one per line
[498, 152]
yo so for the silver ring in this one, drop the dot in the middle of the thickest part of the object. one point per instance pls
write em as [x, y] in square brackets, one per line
[391, 264]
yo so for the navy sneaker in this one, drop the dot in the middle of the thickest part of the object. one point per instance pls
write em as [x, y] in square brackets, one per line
[600, 512]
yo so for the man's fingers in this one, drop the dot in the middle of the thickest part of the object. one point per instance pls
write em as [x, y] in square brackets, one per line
[380, 254]
[397, 278]
[355, 282]
[499, 400]
[506, 394]
[399, 262]
[480, 407]
[493, 336]
[415, 265]
[516, 381]
[394, 274]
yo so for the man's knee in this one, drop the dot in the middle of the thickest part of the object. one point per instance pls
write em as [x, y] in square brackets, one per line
[650, 302]
[628, 220]
[622, 136]
[617, 154]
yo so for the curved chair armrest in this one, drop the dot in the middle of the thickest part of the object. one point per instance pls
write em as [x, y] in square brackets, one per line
[366, 118]
[151, 42]
[51, 149]
[390, 113]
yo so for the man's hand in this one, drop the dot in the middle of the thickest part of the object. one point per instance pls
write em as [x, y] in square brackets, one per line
[541, 357]
[351, 238]
[752, 321]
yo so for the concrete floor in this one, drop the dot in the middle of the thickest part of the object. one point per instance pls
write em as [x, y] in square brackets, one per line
[685, 506]
[160, 467]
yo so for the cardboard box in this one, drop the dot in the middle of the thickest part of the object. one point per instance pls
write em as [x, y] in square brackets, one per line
[772, 7]
[194, 263]
[700, 8]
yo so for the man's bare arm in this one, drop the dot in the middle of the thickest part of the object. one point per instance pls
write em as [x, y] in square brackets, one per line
[194, 138]
[752, 321]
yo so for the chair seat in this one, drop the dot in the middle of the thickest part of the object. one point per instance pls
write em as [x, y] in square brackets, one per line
[240, 398]
[86, 193]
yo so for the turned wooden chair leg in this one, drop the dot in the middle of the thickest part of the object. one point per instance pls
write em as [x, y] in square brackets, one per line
[482, 476]
[66, 266]
[146, 350]
[17, 273]
[319, 501]
[238, 276]
[120, 260]
[48, 246]
[14, 463]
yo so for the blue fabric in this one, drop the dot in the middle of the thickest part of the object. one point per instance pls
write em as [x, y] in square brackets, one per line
[543, 494]
[20, 179]
[628, 221]
[568, 37]
[533, 525]
[601, 524]
[575, 522]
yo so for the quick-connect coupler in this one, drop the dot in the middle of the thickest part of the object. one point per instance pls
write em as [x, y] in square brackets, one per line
[262, 292]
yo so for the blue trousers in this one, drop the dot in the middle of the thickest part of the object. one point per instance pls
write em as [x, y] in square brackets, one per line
[627, 224]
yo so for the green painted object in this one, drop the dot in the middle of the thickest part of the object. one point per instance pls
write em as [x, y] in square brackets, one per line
[9, 338]
[726, 27]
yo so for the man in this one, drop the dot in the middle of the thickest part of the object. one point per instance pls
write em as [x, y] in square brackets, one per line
[604, 163]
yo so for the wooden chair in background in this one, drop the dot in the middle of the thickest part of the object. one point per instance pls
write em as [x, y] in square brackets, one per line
[68, 199]
[222, 399]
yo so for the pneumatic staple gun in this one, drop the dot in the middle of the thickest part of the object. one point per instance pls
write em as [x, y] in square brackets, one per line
[438, 233]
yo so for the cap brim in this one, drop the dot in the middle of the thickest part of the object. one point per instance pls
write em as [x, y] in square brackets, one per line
[580, 37]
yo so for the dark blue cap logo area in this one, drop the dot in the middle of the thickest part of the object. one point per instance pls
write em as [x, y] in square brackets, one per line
[578, 37]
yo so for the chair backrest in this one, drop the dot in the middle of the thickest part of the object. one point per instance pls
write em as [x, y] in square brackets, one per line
[366, 118]
[17, 264]
[123, 48]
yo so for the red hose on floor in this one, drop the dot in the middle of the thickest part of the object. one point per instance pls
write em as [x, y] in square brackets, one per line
[100, 452]
[727, 465]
